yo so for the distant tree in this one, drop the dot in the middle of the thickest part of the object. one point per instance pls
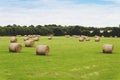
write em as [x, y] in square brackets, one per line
[58, 32]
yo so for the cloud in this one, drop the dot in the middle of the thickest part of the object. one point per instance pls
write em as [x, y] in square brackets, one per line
[61, 13]
[115, 1]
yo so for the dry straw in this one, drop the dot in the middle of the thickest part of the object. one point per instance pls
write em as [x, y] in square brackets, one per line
[87, 39]
[36, 39]
[13, 39]
[97, 39]
[49, 38]
[67, 36]
[42, 50]
[108, 48]
[29, 43]
[81, 39]
[15, 47]
[26, 38]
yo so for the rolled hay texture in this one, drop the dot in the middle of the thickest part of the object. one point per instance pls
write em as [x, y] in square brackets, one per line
[67, 36]
[87, 39]
[76, 36]
[42, 50]
[15, 47]
[49, 38]
[29, 43]
[81, 39]
[19, 35]
[36, 39]
[96, 36]
[84, 37]
[34, 36]
[97, 39]
[13, 39]
[25, 35]
[108, 48]
[26, 38]
[30, 36]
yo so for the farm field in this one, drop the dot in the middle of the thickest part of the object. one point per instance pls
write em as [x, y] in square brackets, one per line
[69, 59]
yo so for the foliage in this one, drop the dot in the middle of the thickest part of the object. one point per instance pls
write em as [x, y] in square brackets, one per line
[57, 30]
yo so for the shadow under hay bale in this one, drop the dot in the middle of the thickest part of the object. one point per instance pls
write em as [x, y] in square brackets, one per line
[13, 39]
[29, 43]
[42, 50]
[15, 47]
[108, 48]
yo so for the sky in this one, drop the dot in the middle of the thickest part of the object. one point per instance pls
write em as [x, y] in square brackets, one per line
[96, 13]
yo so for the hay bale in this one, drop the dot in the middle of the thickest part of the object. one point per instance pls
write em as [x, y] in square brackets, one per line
[29, 43]
[26, 38]
[38, 35]
[25, 35]
[15, 47]
[87, 39]
[36, 39]
[116, 36]
[108, 48]
[84, 37]
[96, 36]
[49, 38]
[42, 50]
[13, 39]
[34, 36]
[19, 35]
[30, 36]
[76, 36]
[81, 39]
[67, 36]
[97, 39]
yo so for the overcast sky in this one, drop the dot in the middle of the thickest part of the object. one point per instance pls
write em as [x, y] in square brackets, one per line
[98, 13]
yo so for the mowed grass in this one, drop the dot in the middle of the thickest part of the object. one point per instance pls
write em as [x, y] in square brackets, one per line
[69, 59]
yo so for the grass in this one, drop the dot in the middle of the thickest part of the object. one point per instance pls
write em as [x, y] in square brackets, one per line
[69, 59]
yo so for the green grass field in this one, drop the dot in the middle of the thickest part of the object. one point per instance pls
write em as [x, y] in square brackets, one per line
[69, 59]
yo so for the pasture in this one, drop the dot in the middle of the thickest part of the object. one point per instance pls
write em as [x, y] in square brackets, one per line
[69, 59]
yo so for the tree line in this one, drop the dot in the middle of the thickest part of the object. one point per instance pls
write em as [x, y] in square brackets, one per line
[58, 30]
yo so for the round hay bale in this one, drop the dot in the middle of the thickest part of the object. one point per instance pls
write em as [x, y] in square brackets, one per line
[36, 39]
[81, 39]
[25, 35]
[15, 47]
[97, 36]
[76, 36]
[87, 39]
[29, 43]
[97, 39]
[30, 36]
[49, 38]
[115, 36]
[19, 35]
[42, 50]
[26, 38]
[67, 36]
[84, 37]
[34, 36]
[108, 48]
[38, 35]
[13, 39]
[102, 36]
